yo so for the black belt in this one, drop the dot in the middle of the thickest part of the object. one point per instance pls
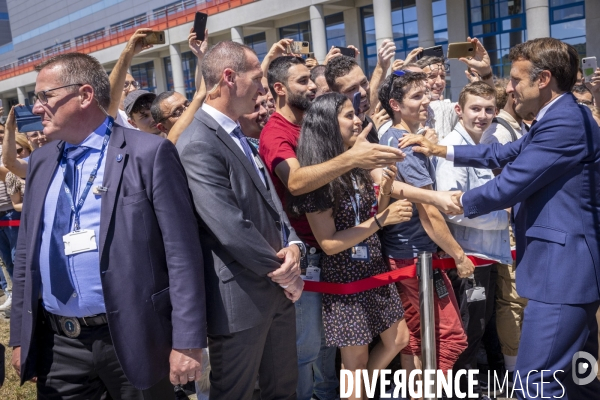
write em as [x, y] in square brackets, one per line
[71, 326]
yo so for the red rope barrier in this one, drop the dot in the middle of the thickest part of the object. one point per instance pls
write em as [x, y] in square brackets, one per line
[409, 271]
[9, 223]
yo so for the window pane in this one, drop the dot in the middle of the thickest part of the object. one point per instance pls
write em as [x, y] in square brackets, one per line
[397, 17]
[410, 14]
[554, 3]
[334, 19]
[439, 7]
[476, 15]
[569, 29]
[513, 23]
[568, 13]
[441, 37]
[440, 23]
[411, 28]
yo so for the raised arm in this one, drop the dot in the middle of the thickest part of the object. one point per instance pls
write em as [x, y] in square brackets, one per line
[302, 180]
[9, 147]
[119, 72]
[277, 50]
[384, 59]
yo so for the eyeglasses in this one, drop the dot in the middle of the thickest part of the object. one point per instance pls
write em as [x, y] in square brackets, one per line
[585, 103]
[135, 84]
[177, 112]
[41, 96]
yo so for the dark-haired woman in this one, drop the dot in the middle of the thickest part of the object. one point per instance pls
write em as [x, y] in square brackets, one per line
[338, 214]
[405, 96]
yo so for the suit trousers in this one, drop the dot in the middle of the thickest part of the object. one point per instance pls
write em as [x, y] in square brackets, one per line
[552, 334]
[266, 351]
[86, 368]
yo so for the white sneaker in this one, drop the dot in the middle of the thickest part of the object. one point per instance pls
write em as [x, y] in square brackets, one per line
[7, 303]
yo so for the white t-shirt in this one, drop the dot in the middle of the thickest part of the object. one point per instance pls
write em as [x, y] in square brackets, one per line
[122, 120]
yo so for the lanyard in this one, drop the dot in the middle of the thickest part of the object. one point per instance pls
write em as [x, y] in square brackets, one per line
[77, 208]
[356, 202]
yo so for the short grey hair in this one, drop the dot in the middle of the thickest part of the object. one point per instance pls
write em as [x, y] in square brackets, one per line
[226, 54]
[84, 69]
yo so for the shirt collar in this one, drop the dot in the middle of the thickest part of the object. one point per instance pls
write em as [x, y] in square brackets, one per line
[544, 109]
[223, 120]
[463, 132]
[95, 140]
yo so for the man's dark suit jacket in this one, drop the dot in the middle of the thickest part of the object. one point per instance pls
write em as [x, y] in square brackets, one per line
[554, 172]
[150, 256]
[240, 223]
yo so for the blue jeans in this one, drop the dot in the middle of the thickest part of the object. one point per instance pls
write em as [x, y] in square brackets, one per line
[309, 333]
[8, 244]
[326, 380]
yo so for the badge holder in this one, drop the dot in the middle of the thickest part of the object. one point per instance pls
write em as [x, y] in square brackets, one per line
[476, 293]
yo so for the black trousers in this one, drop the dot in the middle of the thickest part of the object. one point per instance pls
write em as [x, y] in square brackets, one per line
[86, 368]
[475, 316]
[267, 351]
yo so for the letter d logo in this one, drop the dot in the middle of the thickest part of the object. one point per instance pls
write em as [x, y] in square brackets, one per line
[580, 367]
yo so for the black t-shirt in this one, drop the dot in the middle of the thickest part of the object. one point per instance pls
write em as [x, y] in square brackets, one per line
[372, 137]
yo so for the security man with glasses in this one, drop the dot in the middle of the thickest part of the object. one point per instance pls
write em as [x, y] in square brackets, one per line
[108, 287]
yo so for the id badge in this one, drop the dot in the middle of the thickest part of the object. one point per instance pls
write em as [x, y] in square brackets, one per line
[475, 294]
[313, 274]
[80, 241]
[360, 252]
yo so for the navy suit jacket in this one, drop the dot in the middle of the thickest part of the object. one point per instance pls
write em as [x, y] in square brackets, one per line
[554, 172]
[150, 256]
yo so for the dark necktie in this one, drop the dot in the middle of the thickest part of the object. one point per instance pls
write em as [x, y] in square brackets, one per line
[60, 280]
[237, 132]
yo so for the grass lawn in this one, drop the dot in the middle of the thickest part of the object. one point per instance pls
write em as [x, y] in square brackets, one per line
[11, 389]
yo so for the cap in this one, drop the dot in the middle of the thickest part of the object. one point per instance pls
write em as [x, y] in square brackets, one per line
[133, 98]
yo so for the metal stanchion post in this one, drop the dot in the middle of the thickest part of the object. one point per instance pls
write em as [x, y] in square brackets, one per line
[428, 352]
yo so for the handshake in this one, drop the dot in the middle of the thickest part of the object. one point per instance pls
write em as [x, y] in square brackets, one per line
[448, 202]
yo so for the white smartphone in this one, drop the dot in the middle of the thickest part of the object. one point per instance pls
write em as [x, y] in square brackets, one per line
[589, 65]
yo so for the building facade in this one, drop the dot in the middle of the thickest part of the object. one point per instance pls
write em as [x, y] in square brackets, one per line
[39, 29]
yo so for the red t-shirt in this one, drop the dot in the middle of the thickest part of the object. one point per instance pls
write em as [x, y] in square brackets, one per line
[278, 142]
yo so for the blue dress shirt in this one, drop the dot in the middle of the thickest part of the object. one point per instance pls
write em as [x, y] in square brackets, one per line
[84, 268]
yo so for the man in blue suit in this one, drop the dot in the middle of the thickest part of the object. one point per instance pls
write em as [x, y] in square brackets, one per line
[109, 282]
[554, 173]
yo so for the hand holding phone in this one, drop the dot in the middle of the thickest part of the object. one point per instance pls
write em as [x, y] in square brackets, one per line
[200, 25]
[461, 50]
[346, 51]
[589, 66]
[155, 37]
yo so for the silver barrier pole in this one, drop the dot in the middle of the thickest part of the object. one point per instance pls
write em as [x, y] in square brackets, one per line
[426, 288]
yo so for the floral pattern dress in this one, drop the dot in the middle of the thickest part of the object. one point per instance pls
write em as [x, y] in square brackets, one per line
[355, 319]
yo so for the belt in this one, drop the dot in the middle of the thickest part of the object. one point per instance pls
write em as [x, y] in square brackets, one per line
[71, 326]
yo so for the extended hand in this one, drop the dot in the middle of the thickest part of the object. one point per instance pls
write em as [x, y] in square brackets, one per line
[464, 266]
[380, 116]
[386, 53]
[198, 47]
[448, 202]
[294, 290]
[137, 43]
[388, 176]
[186, 366]
[396, 213]
[480, 62]
[594, 84]
[422, 145]
[431, 135]
[412, 56]
[279, 48]
[290, 269]
[369, 156]
[11, 120]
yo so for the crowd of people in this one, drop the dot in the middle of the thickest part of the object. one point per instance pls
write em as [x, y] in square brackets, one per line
[207, 216]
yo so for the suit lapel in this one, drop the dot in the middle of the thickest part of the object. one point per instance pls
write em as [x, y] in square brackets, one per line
[235, 149]
[115, 160]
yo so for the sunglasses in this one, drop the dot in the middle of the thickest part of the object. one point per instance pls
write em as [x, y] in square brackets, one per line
[19, 150]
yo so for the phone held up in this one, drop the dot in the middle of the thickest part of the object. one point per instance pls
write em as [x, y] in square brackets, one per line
[200, 25]
[435, 51]
[589, 65]
[302, 47]
[346, 51]
[155, 37]
[461, 50]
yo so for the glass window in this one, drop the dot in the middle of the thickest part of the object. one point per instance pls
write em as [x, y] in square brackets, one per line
[567, 23]
[144, 74]
[404, 28]
[189, 61]
[299, 32]
[500, 25]
[335, 30]
[259, 43]
[169, 73]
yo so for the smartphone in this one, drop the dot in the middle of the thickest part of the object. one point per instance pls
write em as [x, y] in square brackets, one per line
[200, 25]
[589, 65]
[461, 49]
[155, 37]
[27, 121]
[356, 103]
[346, 51]
[300, 47]
[435, 51]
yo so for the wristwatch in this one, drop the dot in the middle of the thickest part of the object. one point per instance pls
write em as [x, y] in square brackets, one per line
[302, 248]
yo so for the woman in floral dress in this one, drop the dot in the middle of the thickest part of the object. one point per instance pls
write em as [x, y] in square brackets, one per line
[338, 214]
